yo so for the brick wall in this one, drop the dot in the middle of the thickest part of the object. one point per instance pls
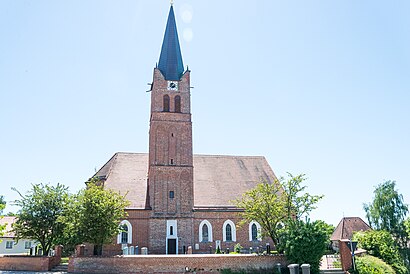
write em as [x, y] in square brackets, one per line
[151, 233]
[217, 220]
[345, 255]
[172, 263]
[139, 220]
[28, 263]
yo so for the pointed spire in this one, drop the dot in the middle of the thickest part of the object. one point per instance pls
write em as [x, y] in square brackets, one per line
[170, 60]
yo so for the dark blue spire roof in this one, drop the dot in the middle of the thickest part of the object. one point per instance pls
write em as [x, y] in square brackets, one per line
[170, 60]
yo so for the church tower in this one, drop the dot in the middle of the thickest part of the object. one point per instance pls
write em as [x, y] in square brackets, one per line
[170, 170]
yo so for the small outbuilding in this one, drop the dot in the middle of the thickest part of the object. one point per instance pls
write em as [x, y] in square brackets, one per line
[345, 229]
[8, 243]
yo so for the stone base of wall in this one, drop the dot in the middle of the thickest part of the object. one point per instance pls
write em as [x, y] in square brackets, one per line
[27, 263]
[206, 263]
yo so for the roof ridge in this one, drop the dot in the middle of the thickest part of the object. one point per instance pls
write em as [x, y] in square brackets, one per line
[230, 155]
[199, 154]
[139, 153]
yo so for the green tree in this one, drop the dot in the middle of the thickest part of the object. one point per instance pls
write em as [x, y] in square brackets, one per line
[39, 217]
[406, 224]
[99, 212]
[298, 202]
[70, 235]
[266, 205]
[328, 228]
[304, 242]
[2, 207]
[388, 210]
[381, 244]
[271, 205]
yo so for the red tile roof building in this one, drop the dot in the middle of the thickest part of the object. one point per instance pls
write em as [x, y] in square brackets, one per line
[345, 229]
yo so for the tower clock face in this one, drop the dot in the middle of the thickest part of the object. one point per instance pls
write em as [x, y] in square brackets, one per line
[172, 85]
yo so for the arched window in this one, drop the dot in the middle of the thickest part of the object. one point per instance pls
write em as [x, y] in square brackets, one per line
[229, 231]
[254, 231]
[125, 236]
[205, 231]
[166, 103]
[177, 103]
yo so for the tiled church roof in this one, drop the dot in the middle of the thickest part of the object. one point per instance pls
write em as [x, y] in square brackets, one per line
[217, 179]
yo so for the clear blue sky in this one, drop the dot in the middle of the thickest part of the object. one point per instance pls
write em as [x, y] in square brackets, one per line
[317, 87]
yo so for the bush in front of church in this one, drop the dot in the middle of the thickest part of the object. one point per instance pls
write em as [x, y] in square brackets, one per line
[304, 242]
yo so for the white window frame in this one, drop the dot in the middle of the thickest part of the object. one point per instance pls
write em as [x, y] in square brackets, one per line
[205, 222]
[233, 227]
[258, 227]
[8, 245]
[27, 244]
[129, 226]
[174, 225]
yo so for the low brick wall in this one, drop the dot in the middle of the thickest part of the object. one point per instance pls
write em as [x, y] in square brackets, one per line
[206, 263]
[31, 263]
[28, 263]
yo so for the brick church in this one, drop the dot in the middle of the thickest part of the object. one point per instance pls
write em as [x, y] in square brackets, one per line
[179, 199]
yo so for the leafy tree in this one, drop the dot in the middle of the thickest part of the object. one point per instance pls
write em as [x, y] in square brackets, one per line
[304, 242]
[2, 206]
[381, 244]
[266, 205]
[39, 217]
[298, 201]
[388, 210]
[99, 212]
[70, 235]
[271, 205]
[328, 228]
[406, 224]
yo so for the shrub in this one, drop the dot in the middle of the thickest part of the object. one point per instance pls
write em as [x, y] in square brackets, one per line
[372, 265]
[381, 244]
[238, 248]
[218, 250]
[304, 243]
